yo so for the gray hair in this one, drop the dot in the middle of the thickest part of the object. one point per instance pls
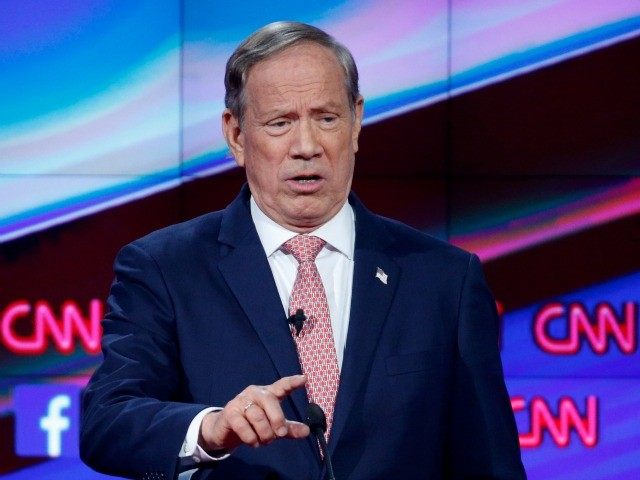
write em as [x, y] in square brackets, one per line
[270, 40]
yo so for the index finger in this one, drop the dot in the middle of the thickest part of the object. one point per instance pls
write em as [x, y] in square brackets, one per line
[286, 385]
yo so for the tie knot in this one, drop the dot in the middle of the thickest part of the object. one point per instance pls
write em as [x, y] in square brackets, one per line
[304, 248]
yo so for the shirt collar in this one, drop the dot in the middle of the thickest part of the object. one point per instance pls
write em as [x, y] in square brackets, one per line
[339, 232]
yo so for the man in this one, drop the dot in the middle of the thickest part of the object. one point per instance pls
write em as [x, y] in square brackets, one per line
[396, 332]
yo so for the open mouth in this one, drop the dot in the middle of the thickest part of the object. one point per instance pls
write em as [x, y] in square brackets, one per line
[306, 178]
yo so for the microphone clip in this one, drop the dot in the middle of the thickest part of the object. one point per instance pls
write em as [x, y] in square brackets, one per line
[297, 321]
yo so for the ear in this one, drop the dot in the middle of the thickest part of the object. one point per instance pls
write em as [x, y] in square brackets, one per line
[357, 124]
[233, 135]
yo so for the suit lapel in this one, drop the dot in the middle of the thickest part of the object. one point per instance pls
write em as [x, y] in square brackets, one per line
[370, 302]
[246, 270]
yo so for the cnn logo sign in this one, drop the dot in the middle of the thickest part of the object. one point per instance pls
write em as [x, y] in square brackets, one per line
[28, 329]
[558, 423]
[597, 329]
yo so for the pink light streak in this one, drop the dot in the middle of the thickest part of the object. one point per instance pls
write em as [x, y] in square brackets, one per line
[532, 230]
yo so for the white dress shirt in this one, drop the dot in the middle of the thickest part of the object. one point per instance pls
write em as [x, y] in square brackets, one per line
[335, 264]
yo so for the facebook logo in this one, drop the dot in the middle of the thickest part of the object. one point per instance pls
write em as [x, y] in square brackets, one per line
[47, 420]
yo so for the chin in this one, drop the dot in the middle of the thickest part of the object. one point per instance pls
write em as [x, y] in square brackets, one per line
[306, 221]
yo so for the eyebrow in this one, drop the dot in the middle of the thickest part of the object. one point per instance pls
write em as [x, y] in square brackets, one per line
[282, 112]
[330, 105]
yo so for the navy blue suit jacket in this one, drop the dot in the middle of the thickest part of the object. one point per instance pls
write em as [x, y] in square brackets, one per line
[195, 317]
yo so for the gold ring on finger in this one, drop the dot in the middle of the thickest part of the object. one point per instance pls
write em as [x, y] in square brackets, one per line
[247, 406]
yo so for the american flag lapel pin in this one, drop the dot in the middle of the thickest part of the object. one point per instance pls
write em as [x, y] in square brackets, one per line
[380, 275]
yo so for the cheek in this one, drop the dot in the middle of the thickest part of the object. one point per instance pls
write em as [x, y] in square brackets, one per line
[263, 170]
[345, 163]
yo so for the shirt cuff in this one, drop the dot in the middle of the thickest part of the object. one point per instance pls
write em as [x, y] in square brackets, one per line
[190, 447]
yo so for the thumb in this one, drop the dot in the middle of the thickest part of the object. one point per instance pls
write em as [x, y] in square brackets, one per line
[297, 429]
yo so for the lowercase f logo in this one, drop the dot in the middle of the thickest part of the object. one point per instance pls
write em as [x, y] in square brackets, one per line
[55, 423]
[47, 420]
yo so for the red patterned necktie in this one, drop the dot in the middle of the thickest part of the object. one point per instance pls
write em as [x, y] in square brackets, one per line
[315, 344]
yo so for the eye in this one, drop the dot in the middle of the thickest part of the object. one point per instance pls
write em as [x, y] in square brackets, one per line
[328, 119]
[278, 126]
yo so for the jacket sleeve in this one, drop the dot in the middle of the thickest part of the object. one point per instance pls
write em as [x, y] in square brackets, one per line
[136, 411]
[483, 437]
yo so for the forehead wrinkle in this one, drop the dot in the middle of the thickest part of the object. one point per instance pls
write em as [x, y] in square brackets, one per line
[288, 94]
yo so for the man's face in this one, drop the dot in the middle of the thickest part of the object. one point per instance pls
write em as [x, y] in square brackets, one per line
[299, 136]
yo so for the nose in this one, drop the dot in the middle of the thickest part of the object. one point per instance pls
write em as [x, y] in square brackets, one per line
[305, 144]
